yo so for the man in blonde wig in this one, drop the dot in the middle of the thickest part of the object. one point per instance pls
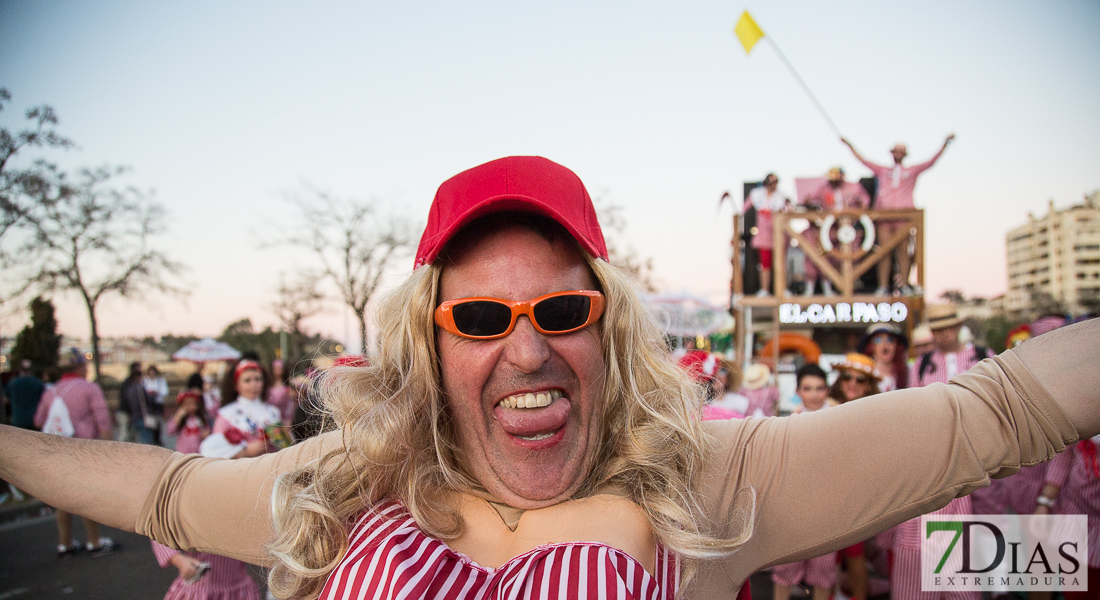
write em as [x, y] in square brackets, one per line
[521, 432]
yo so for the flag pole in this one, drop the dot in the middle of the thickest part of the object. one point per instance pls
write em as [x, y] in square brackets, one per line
[805, 88]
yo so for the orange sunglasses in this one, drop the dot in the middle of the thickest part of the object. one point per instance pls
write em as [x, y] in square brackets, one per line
[492, 318]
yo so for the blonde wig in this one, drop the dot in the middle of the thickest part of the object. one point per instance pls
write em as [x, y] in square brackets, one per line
[399, 439]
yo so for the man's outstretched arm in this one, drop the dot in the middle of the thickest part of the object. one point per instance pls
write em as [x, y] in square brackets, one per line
[853, 149]
[870, 165]
[107, 482]
[181, 500]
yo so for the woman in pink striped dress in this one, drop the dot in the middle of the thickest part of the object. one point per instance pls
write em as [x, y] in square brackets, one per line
[189, 424]
[205, 576]
[239, 433]
[245, 424]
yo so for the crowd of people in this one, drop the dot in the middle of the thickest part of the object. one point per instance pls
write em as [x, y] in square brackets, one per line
[254, 411]
[894, 187]
[889, 562]
[521, 430]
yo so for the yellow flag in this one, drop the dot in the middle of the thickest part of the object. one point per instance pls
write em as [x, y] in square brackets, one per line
[748, 31]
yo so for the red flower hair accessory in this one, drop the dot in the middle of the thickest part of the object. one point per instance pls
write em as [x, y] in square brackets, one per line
[243, 366]
[185, 394]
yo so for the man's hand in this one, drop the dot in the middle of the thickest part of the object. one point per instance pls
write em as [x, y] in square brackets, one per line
[257, 447]
[853, 149]
[949, 139]
[187, 566]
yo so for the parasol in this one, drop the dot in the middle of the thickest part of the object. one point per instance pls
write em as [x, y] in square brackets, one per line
[206, 350]
[688, 316]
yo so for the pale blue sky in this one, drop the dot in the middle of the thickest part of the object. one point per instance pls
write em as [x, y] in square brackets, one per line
[222, 106]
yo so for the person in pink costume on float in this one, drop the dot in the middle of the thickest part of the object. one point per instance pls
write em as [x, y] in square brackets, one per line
[767, 200]
[895, 191]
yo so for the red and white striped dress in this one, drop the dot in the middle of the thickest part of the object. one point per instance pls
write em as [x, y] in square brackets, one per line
[390, 557]
[227, 578]
[1021, 489]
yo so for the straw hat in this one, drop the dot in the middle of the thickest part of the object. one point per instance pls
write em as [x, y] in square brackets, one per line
[942, 316]
[756, 376]
[835, 174]
[922, 334]
[860, 363]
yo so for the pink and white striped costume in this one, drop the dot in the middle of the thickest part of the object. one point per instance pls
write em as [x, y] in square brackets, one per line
[227, 578]
[905, 574]
[1077, 472]
[1021, 490]
[762, 401]
[896, 183]
[390, 557]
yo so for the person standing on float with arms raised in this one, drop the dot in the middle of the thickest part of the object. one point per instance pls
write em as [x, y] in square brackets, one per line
[895, 191]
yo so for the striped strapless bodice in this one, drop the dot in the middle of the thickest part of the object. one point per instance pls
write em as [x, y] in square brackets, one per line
[390, 557]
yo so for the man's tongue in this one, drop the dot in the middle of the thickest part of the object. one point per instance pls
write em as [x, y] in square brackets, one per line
[533, 421]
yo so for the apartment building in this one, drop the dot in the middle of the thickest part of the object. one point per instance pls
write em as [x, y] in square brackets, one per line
[1055, 260]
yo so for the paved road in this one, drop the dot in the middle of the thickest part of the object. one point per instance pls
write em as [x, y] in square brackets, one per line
[29, 568]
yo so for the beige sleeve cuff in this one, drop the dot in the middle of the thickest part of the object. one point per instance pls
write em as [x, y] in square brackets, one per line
[222, 506]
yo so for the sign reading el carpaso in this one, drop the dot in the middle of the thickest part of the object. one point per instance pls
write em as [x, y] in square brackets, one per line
[842, 312]
[964, 553]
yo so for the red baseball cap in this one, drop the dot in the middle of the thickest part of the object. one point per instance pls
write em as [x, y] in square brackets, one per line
[516, 183]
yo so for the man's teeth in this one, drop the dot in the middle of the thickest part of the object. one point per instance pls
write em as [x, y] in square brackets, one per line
[536, 437]
[531, 400]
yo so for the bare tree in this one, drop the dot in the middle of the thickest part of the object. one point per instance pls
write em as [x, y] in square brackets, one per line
[353, 242]
[297, 301]
[94, 239]
[953, 296]
[22, 186]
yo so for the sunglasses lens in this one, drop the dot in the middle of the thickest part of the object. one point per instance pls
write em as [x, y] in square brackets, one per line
[480, 318]
[562, 313]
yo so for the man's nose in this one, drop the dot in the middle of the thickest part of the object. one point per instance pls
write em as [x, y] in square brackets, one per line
[526, 348]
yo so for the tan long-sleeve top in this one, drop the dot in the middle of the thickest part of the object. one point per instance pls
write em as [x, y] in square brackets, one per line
[869, 465]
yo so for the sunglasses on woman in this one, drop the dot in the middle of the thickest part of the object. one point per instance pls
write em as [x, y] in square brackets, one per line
[492, 318]
[856, 378]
